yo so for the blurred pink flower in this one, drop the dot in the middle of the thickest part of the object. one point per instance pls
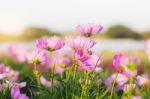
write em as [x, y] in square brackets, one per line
[89, 29]
[59, 70]
[45, 82]
[17, 53]
[143, 81]
[51, 43]
[80, 43]
[98, 69]
[126, 65]
[15, 91]
[59, 58]
[38, 57]
[8, 74]
[86, 61]
[120, 81]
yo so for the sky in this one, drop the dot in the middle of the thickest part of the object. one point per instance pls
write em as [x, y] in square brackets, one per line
[64, 15]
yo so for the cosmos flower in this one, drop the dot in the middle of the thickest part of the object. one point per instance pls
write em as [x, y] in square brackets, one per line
[86, 61]
[38, 57]
[98, 69]
[50, 44]
[45, 82]
[89, 29]
[126, 65]
[15, 91]
[58, 70]
[17, 53]
[8, 74]
[120, 81]
[143, 81]
[80, 43]
[59, 58]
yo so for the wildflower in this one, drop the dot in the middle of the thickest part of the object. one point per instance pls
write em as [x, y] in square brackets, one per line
[8, 74]
[120, 81]
[98, 69]
[38, 57]
[89, 29]
[80, 43]
[59, 58]
[58, 70]
[15, 91]
[17, 53]
[50, 44]
[126, 65]
[143, 81]
[86, 61]
[45, 82]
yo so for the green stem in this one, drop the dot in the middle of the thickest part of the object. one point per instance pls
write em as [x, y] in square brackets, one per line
[84, 87]
[74, 74]
[130, 91]
[112, 89]
[53, 68]
[36, 73]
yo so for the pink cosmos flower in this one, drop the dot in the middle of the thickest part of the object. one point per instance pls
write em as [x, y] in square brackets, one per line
[143, 81]
[38, 57]
[8, 74]
[17, 53]
[80, 43]
[126, 65]
[15, 91]
[98, 69]
[86, 61]
[59, 58]
[120, 81]
[51, 44]
[45, 82]
[59, 70]
[89, 29]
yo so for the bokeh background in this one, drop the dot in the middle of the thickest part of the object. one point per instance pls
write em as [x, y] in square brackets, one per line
[126, 23]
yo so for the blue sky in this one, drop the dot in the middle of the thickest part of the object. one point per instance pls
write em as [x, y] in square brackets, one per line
[64, 15]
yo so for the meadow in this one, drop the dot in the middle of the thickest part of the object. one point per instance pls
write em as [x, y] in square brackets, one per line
[52, 72]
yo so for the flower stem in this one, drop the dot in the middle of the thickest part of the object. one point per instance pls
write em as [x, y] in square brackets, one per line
[112, 89]
[53, 68]
[36, 73]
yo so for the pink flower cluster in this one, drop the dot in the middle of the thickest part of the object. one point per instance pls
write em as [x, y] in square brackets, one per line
[49, 56]
[126, 65]
[15, 91]
[127, 78]
[10, 77]
[50, 44]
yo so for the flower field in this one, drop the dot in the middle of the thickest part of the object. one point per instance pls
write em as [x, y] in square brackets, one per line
[68, 68]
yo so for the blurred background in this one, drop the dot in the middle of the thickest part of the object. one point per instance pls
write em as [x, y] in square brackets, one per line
[126, 22]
